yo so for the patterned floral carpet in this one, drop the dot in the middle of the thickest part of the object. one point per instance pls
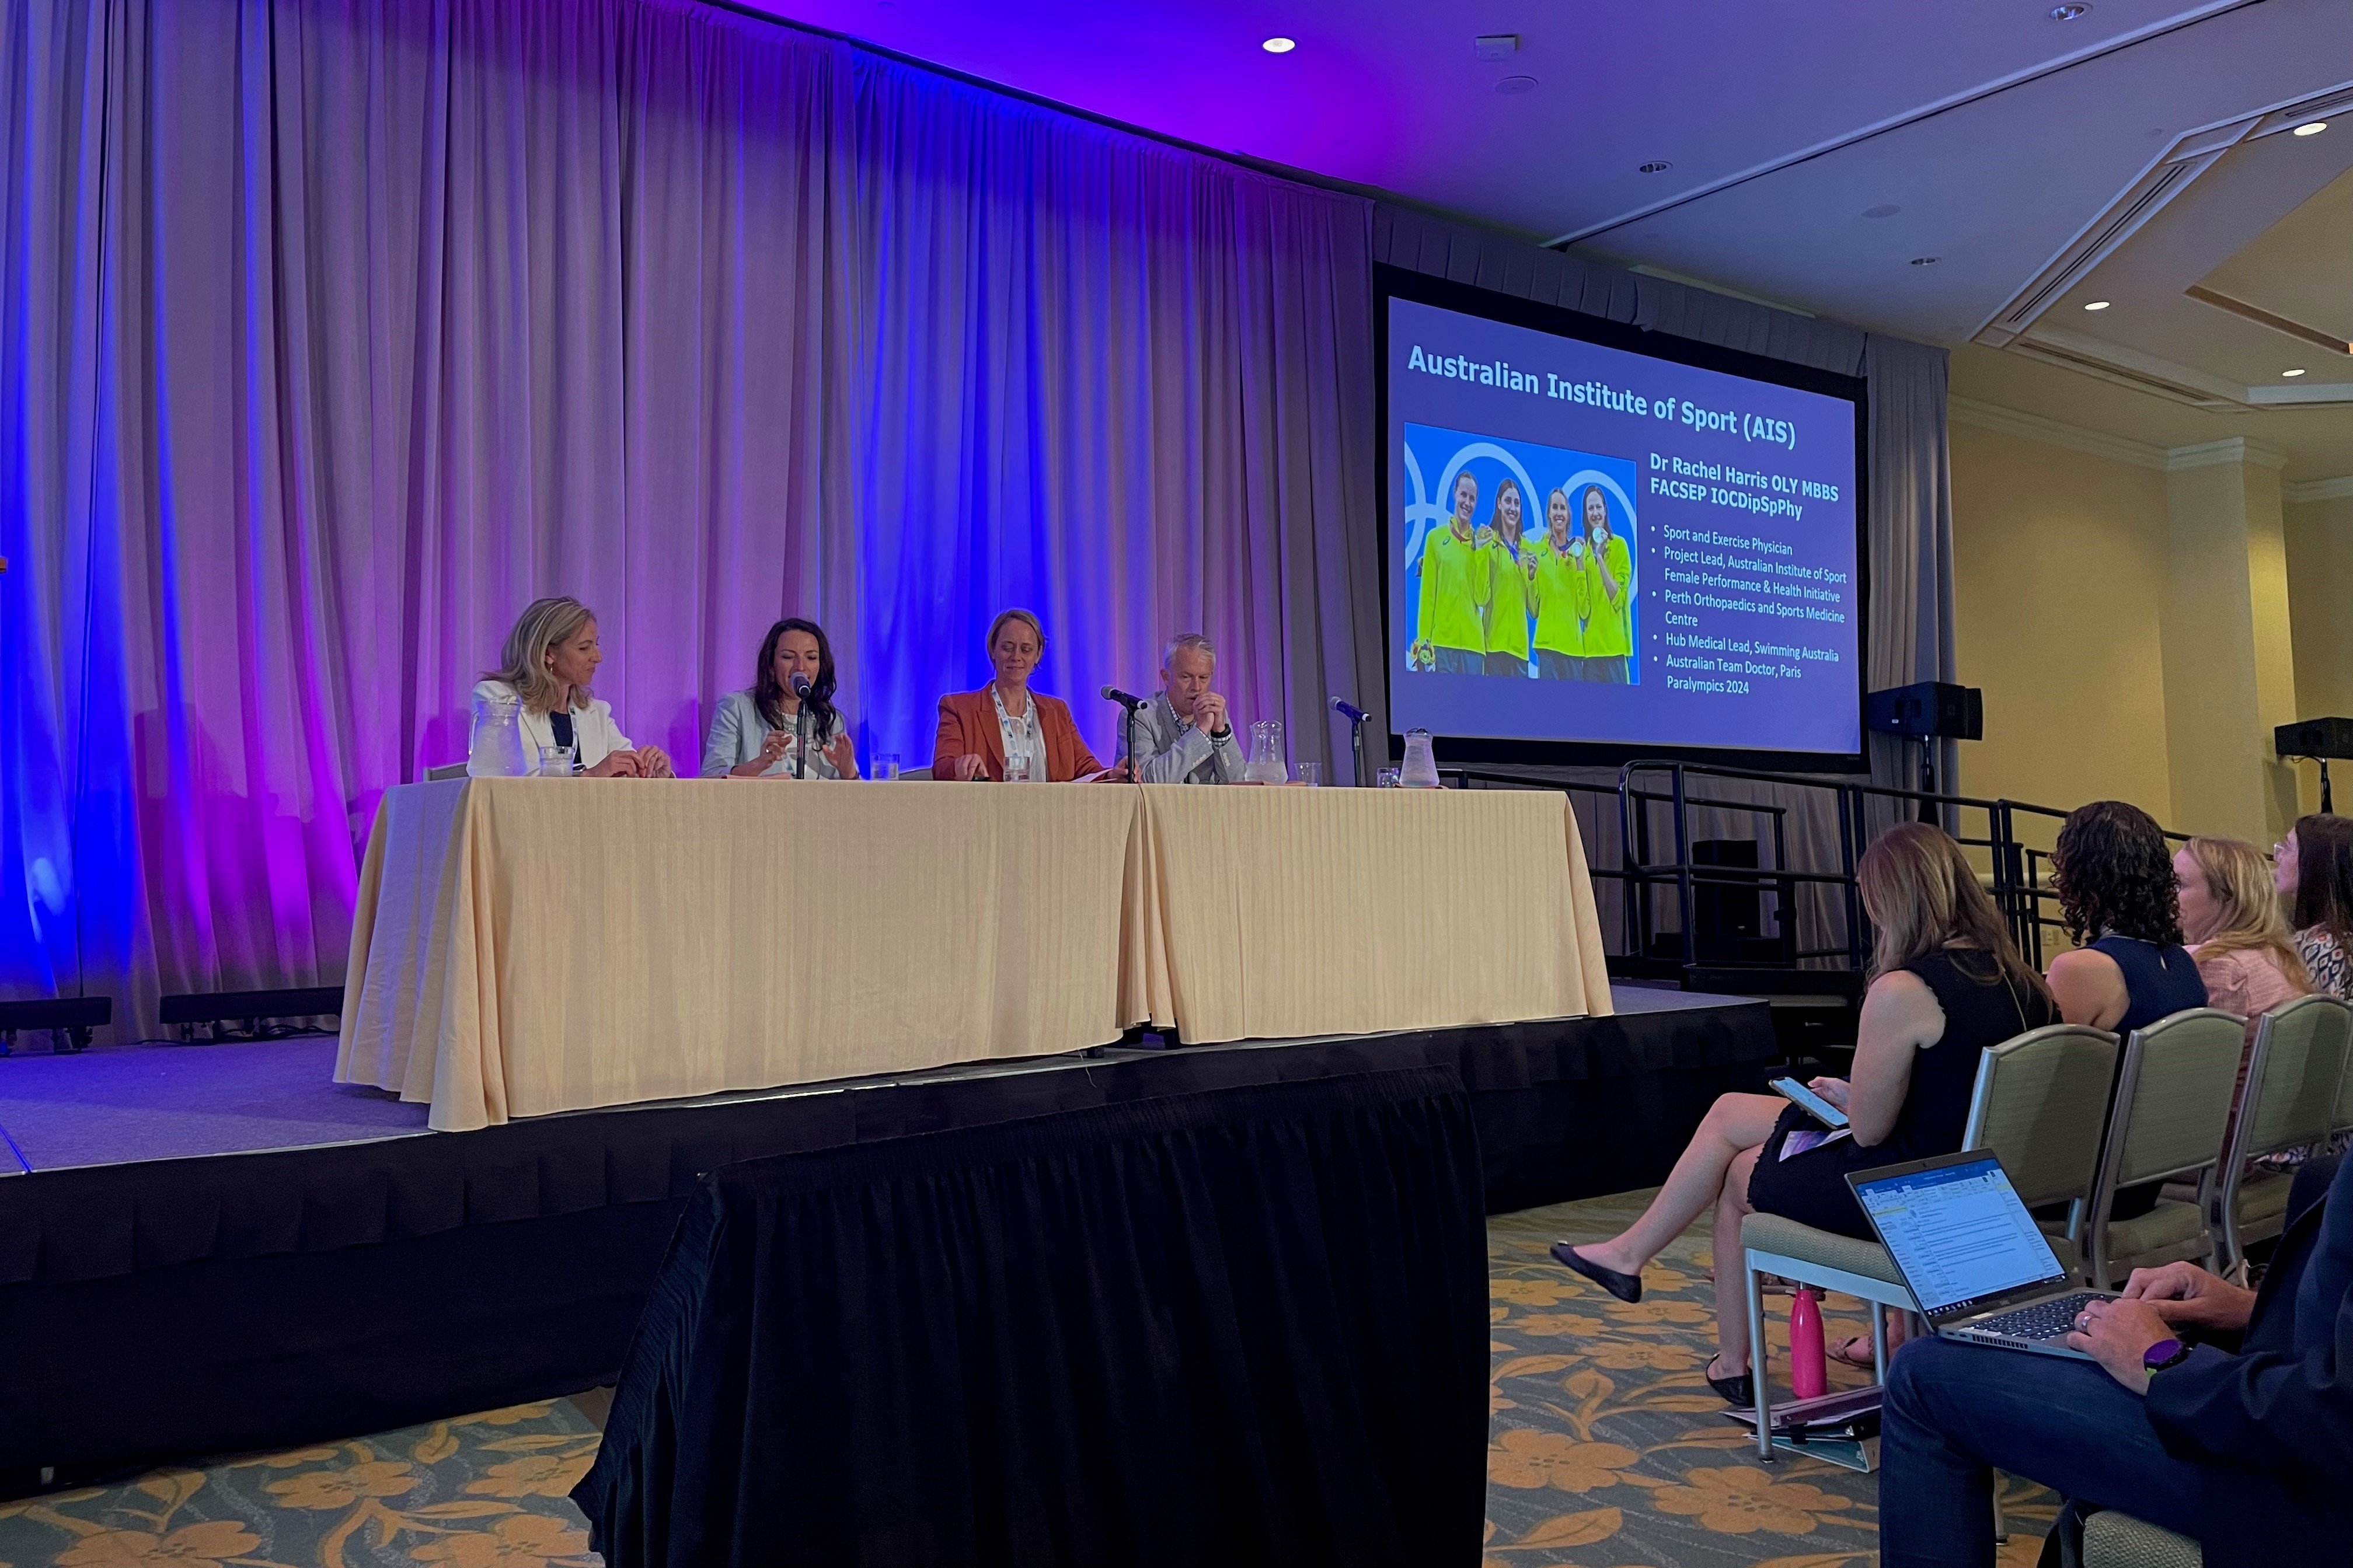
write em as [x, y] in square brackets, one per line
[1606, 1451]
[1607, 1448]
[481, 1491]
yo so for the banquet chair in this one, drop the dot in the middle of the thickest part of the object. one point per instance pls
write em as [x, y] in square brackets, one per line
[2341, 1121]
[2113, 1540]
[2296, 1074]
[2037, 1104]
[2171, 1113]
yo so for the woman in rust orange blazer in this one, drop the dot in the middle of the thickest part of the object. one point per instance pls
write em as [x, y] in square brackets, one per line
[1005, 730]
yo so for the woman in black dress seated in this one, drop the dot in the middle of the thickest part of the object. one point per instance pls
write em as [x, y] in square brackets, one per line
[1947, 982]
[2113, 873]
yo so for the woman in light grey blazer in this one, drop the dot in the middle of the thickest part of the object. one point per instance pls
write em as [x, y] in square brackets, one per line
[751, 735]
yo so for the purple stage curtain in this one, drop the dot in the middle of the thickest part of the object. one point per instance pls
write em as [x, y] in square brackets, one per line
[338, 329]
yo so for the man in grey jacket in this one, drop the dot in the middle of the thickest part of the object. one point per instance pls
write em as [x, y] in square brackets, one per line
[1183, 733]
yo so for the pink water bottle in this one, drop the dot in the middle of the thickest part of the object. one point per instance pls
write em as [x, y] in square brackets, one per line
[1807, 1376]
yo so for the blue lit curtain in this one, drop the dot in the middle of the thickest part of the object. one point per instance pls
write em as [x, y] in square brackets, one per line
[337, 330]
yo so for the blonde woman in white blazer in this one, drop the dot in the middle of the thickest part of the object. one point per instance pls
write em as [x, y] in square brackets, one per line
[548, 660]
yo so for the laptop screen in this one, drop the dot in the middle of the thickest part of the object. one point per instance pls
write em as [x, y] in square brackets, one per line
[1959, 1234]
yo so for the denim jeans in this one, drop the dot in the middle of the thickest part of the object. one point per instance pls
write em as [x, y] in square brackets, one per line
[1460, 661]
[1551, 666]
[1955, 1412]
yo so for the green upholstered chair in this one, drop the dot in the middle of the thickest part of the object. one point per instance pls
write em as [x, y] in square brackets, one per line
[2038, 1103]
[2296, 1076]
[2172, 1110]
[2113, 1540]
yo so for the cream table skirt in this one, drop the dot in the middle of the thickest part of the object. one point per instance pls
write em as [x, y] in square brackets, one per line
[524, 946]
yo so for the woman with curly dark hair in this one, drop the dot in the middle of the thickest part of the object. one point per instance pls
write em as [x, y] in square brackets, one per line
[2118, 897]
[2116, 893]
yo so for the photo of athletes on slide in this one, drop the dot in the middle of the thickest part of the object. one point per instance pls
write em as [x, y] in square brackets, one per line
[1519, 560]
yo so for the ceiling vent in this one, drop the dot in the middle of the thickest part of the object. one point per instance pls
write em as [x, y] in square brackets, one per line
[2117, 374]
[2112, 228]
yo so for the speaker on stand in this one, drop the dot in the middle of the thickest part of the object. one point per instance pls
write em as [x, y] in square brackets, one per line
[1927, 711]
[2320, 739]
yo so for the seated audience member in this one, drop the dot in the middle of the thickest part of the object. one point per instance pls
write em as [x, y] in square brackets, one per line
[547, 662]
[2116, 895]
[1184, 733]
[2238, 938]
[2241, 1440]
[1005, 731]
[1947, 982]
[2313, 868]
[754, 734]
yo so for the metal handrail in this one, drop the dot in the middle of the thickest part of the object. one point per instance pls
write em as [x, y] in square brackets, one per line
[2020, 888]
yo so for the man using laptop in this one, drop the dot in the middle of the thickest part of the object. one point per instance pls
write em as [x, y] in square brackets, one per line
[2214, 1412]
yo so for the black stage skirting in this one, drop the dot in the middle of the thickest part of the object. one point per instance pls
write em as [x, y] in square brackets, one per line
[1243, 1324]
[174, 1307]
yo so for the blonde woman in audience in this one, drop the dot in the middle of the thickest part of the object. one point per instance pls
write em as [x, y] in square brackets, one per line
[2232, 923]
[1946, 982]
[2313, 869]
[547, 662]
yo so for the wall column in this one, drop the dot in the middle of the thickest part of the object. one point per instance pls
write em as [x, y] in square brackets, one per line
[2229, 655]
[2320, 568]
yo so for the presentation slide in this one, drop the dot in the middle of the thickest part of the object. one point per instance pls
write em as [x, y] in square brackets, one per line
[1589, 544]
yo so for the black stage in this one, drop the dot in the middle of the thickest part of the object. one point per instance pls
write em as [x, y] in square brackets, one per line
[211, 1248]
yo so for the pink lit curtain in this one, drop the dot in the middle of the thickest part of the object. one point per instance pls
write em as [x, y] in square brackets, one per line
[336, 331]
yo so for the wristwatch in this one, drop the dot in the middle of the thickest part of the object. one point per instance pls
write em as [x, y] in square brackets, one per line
[2164, 1353]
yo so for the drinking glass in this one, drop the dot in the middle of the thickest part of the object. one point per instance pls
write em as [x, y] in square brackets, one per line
[1016, 768]
[556, 762]
[886, 767]
[1386, 779]
[1309, 773]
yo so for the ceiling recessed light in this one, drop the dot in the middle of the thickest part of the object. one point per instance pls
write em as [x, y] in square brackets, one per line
[2067, 13]
[1511, 86]
[2298, 370]
[1926, 260]
[1656, 166]
[1884, 209]
[2097, 305]
[1279, 46]
[2312, 128]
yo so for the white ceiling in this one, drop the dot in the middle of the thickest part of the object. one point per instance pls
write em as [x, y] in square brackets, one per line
[2000, 137]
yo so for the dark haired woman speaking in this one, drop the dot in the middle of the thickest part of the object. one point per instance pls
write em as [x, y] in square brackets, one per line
[752, 734]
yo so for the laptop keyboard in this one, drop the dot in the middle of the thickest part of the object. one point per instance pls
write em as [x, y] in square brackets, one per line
[2043, 1320]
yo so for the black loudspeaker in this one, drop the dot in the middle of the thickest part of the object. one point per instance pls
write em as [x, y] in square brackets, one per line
[2315, 738]
[1929, 708]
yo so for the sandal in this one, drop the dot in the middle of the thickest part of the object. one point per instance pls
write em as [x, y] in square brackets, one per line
[1845, 1353]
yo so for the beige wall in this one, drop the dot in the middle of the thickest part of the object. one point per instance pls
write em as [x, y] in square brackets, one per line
[2320, 612]
[2061, 576]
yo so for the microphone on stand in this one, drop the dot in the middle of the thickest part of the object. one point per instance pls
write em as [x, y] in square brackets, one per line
[1358, 719]
[1133, 705]
[800, 685]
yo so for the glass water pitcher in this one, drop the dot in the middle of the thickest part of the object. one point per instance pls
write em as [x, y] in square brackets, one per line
[1266, 764]
[496, 749]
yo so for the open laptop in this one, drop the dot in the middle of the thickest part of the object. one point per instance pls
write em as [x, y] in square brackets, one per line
[1971, 1254]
